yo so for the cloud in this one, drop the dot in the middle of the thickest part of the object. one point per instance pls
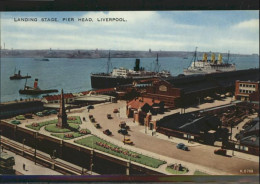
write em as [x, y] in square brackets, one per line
[252, 24]
[141, 31]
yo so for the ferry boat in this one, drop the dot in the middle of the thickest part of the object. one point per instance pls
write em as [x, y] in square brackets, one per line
[35, 90]
[206, 66]
[122, 76]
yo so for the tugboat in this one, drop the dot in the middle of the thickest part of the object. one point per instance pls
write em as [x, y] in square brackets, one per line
[18, 76]
[35, 90]
[206, 66]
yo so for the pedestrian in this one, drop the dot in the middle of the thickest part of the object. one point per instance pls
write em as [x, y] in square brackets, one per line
[23, 166]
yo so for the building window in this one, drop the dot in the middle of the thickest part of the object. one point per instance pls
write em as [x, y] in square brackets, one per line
[246, 91]
[250, 85]
[253, 86]
[245, 148]
[240, 85]
[243, 85]
[240, 91]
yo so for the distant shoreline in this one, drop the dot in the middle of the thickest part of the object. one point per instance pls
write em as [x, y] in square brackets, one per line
[96, 54]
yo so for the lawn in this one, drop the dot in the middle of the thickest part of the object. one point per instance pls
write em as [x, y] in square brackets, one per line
[200, 173]
[53, 128]
[41, 124]
[142, 159]
[173, 171]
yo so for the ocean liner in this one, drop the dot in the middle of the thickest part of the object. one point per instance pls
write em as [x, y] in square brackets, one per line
[205, 66]
[122, 76]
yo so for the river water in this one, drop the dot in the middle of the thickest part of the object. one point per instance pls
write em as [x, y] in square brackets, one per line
[73, 75]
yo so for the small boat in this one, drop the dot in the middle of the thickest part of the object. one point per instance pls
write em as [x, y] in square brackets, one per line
[185, 57]
[18, 76]
[35, 90]
[41, 59]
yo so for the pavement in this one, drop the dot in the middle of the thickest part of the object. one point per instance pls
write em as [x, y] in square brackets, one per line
[30, 167]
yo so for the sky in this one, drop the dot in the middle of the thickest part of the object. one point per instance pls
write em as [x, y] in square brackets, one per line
[216, 31]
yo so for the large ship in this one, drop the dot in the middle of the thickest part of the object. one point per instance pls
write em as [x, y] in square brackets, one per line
[122, 76]
[35, 90]
[205, 66]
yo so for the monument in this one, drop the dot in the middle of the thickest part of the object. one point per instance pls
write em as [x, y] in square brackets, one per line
[62, 116]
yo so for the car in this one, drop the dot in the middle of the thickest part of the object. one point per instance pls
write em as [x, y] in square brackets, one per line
[109, 116]
[107, 132]
[92, 120]
[20, 117]
[115, 111]
[97, 125]
[182, 147]
[53, 111]
[46, 113]
[123, 131]
[15, 122]
[28, 116]
[39, 114]
[90, 107]
[220, 152]
[128, 141]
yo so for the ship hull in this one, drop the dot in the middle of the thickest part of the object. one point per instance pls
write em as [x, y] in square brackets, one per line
[101, 81]
[37, 92]
[18, 78]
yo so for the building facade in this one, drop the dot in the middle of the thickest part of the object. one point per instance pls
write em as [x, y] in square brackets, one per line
[245, 90]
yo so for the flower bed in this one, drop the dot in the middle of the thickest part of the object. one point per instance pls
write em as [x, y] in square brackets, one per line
[84, 131]
[53, 128]
[107, 147]
[176, 169]
[63, 136]
[71, 119]
[37, 126]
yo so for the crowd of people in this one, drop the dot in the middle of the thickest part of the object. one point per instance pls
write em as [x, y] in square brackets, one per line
[117, 149]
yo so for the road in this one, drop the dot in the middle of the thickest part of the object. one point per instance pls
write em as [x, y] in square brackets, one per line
[200, 154]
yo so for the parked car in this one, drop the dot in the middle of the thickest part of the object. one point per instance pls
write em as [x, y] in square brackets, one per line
[46, 113]
[182, 147]
[53, 111]
[90, 107]
[220, 152]
[90, 116]
[107, 132]
[128, 141]
[15, 122]
[20, 117]
[92, 120]
[28, 115]
[97, 125]
[115, 111]
[123, 131]
[39, 114]
[109, 116]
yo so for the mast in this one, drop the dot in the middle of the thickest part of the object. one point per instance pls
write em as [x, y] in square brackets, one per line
[25, 83]
[228, 57]
[157, 66]
[108, 63]
[195, 56]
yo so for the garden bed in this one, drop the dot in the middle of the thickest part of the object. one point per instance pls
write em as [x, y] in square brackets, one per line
[37, 126]
[55, 129]
[171, 170]
[102, 145]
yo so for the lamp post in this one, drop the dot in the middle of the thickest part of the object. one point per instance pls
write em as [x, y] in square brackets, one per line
[23, 145]
[0, 141]
[53, 158]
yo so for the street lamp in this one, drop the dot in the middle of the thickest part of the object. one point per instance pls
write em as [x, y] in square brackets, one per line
[53, 157]
[23, 145]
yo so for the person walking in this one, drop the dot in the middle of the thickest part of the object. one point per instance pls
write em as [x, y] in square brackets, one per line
[23, 166]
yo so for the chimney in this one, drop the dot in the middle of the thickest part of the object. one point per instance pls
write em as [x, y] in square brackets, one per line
[35, 83]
